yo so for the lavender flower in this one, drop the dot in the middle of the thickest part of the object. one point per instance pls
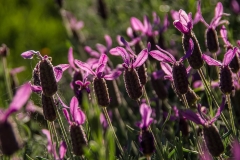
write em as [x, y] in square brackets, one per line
[51, 147]
[211, 34]
[146, 138]
[179, 73]
[78, 137]
[185, 25]
[235, 63]
[131, 62]
[226, 83]
[45, 79]
[210, 133]
[9, 143]
[99, 82]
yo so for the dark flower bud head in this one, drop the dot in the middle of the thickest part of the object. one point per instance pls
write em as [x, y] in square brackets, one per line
[195, 60]
[184, 127]
[132, 83]
[3, 50]
[235, 64]
[78, 138]
[226, 81]
[36, 75]
[101, 91]
[48, 108]
[8, 141]
[212, 40]
[47, 77]
[180, 78]
[142, 73]
[213, 140]
[147, 143]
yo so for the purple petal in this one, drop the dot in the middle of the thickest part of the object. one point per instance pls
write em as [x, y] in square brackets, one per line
[166, 52]
[28, 54]
[141, 58]
[158, 55]
[124, 54]
[126, 44]
[223, 33]
[183, 17]
[71, 58]
[157, 74]
[64, 67]
[73, 106]
[136, 24]
[20, 98]
[218, 14]
[78, 82]
[175, 15]
[219, 111]
[183, 29]
[145, 112]
[77, 115]
[236, 149]
[36, 89]
[101, 48]
[47, 134]
[108, 40]
[229, 56]
[103, 60]
[17, 70]
[114, 51]
[91, 52]
[166, 68]
[210, 61]
[189, 52]
[62, 149]
[190, 115]
[58, 73]
[66, 114]
[84, 66]
[129, 33]
[62, 103]
[114, 75]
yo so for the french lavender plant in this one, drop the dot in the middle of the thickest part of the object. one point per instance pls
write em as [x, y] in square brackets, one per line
[179, 72]
[8, 140]
[210, 132]
[132, 82]
[211, 33]
[185, 25]
[77, 133]
[146, 137]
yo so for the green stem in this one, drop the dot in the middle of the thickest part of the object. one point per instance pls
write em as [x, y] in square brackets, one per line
[231, 114]
[64, 134]
[55, 133]
[111, 126]
[209, 92]
[51, 133]
[6, 77]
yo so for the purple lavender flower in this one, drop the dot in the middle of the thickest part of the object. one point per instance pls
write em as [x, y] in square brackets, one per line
[235, 150]
[131, 63]
[51, 147]
[184, 23]
[226, 82]
[235, 63]
[9, 143]
[211, 34]
[57, 71]
[210, 133]
[78, 136]
[179, 73]
[146, 138]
